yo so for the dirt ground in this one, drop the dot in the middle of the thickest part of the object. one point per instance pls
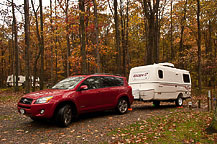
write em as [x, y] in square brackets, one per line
[89, 128]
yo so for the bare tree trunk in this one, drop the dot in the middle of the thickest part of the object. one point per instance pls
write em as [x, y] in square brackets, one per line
[15, 48]
[82, 37]
[210, 39]
[146, 42]
[98, 69]
[27, 46]
[88, 67]
[181, 65]
[39, 45]
[42, 46]
[151, 13]
[56, 39]
[171, 31]
[52, 38]
[123, 38]
[199, 46]
[163, 43]
[117, 38]
[157, 38]
[127, 37]
[68, 42]
[2, 66]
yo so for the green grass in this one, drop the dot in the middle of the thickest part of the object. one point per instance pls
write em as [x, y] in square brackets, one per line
[177, 127]
[4, 117]
[6, 98]
[8, 95]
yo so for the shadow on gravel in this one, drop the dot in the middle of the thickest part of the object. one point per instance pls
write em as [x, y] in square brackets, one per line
[94, 115]
[42, 124]
[149, 107]
[49, 124]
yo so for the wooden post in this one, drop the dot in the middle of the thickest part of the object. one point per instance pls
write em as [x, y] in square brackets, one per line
[199, 103]
[211, 98]
[208, 99]
[190, 105]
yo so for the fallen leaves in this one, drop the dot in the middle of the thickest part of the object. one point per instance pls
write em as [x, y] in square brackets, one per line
[177, 126]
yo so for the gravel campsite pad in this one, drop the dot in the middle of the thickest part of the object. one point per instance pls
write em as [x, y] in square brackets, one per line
[89, 128]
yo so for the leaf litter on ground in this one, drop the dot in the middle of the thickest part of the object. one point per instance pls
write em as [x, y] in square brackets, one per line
[185, 126]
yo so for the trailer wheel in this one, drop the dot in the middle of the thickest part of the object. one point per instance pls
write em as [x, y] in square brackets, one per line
[156, 103]
[179, 101]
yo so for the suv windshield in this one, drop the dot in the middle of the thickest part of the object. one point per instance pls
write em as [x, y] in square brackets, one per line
[68, 83]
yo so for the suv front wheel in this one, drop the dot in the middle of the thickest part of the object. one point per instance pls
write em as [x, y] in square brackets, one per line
[64, 115]
[122, 106]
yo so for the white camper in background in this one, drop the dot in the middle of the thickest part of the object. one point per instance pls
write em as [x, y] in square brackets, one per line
[160, 82]
[11, 79]
[21, 80]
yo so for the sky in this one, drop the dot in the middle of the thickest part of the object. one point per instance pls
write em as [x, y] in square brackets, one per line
[19, 2]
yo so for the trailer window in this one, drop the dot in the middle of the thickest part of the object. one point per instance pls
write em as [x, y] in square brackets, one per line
[186, 78]
[160, 74]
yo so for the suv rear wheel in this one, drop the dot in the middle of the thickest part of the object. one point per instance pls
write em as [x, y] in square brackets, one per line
[64, 115]
[122, 106]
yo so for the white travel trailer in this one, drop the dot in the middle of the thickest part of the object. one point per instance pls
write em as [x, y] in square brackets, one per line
[21, 80]
[160, 82]
[11, 79]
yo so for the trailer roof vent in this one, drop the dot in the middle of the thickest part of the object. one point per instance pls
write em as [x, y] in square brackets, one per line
[167, 64]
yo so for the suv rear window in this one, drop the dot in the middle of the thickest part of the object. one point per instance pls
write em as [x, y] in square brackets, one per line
[186, 78]
[109, 81]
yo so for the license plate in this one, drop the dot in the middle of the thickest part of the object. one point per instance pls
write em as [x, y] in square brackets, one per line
[22, 111]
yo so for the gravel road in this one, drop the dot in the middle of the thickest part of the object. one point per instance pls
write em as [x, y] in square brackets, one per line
[89, 128]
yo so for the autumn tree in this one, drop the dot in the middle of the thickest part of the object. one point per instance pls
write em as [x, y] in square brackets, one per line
[117, 38]
[171, 30]
[199, 45]
[151, 10]
[82, 37]
[41, 45]
[183, 21]
[27, 46]
[15, 45]
[65, 7]
[96, 42]
[85, 38]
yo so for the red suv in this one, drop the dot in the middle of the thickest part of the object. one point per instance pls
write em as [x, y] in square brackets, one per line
[76, 95]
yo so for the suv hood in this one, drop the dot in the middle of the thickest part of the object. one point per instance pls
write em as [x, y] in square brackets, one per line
[44, 93]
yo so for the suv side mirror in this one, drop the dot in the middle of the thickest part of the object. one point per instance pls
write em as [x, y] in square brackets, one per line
[83, 87]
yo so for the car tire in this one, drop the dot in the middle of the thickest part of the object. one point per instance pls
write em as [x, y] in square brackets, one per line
[122, 106]
[179, 101]
[64, 116]
[156, 103]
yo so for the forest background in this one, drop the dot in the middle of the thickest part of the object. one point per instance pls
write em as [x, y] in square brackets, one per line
[71, 37]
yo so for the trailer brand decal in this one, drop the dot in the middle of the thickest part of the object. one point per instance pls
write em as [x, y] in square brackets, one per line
[140, 76]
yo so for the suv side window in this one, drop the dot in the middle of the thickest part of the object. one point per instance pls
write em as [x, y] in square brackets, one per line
[109, 81]
[92, 82]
